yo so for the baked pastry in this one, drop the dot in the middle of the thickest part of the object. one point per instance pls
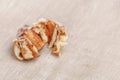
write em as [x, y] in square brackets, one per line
[32, 39]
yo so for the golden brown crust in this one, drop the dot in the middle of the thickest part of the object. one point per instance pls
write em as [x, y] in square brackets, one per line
[50, 29]
[41, 30]
[25, 50]
[35, 39]
[31, 40]
[31, 47]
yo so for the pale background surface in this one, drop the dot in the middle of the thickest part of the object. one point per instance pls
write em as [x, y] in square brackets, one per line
[93, 52]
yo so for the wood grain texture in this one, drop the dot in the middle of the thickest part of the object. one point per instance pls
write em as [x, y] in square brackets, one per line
[93, 50]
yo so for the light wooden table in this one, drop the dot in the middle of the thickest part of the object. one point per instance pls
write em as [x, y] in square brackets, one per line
[93, 50]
